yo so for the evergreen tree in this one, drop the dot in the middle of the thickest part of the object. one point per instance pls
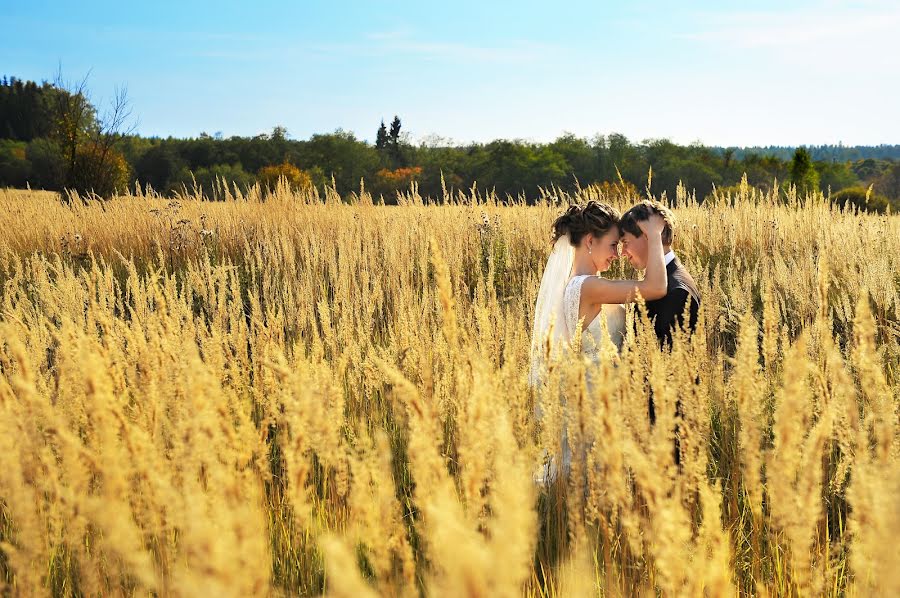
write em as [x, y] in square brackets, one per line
[395, 131]
[394, 148]
[381, 138]
[803, 173]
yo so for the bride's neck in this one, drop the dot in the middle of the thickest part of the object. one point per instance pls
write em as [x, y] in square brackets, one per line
[583, 265]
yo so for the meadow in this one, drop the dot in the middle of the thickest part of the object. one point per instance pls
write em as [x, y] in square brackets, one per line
[290, 393]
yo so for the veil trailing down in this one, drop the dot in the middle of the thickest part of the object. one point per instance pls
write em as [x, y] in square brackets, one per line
[550, 335]
[556, 323]
[550, 332]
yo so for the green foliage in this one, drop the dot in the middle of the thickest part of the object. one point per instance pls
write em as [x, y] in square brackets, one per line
[394, 146]
[25, 109]
[317, 176]
[691, 174]
[158, 166]
[803, 173]
[340, 155]
[820, 153]
[78, 148]
[581, 157]
[869, 169]
[100, 170]
[514, 168]
[381, 137]
[55, 123]
[15, 169]
[889, 182]
[857, 196]
[212, 182]
[836, 175]
[762, 171]
[48, 168]
[623, 157]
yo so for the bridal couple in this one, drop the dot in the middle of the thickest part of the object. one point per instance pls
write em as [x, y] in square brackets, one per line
[574, 297]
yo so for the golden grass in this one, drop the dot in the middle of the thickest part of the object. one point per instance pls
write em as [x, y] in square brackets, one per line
[293, 394]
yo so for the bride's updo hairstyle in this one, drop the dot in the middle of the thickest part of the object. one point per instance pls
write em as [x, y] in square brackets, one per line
[593, 217]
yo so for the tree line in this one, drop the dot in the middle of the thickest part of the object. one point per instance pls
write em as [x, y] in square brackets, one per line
[53, 137]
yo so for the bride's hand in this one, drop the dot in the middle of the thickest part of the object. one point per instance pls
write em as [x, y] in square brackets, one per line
[654, 225]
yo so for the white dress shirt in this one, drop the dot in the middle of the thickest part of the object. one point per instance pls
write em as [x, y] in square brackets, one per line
[669, 257]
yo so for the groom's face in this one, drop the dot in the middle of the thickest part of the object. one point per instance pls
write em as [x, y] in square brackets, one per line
[634, 249]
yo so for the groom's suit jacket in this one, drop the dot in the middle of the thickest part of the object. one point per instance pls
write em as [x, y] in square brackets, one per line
[668, 311]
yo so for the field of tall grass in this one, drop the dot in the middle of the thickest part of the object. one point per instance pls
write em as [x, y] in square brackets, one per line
[294, 394]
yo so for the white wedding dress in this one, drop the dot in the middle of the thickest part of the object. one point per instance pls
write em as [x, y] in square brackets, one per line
[592, 337]
[560, 294]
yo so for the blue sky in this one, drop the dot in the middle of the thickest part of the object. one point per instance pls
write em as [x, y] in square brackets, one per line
[788, 73]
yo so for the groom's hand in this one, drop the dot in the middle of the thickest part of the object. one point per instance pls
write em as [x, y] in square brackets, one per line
[653, 225]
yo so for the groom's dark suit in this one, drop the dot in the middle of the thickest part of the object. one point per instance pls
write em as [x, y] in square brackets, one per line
[666, 313]
[669, 310]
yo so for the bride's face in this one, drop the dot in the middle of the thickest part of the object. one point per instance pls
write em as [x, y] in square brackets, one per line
[605, 249]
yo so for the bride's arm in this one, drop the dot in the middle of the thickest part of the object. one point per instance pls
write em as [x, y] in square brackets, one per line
[655, 284]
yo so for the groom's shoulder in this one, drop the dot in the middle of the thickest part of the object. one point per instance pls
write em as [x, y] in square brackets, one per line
[683, 280]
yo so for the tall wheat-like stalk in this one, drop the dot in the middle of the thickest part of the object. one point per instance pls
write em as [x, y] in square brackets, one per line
[304, 393]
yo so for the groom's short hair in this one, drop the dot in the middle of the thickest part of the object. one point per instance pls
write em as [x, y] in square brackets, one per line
[641, 212]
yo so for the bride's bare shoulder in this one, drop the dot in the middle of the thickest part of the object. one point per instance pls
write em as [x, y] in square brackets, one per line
[592, 285]
[593, 281]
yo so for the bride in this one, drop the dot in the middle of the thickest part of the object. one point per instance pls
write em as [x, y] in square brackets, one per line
[574, 298]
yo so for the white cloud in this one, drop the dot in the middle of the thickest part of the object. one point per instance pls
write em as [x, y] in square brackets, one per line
[831, 23]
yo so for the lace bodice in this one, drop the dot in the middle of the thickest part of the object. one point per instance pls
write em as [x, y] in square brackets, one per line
[592, 336]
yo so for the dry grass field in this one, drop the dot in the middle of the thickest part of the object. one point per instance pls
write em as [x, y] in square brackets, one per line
[293, 394]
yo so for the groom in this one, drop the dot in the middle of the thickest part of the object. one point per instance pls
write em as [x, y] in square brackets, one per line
[667, 312]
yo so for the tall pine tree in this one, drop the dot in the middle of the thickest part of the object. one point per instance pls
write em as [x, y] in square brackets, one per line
[395, 131]
[394, 148]
[803, 172]
[381, 138]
